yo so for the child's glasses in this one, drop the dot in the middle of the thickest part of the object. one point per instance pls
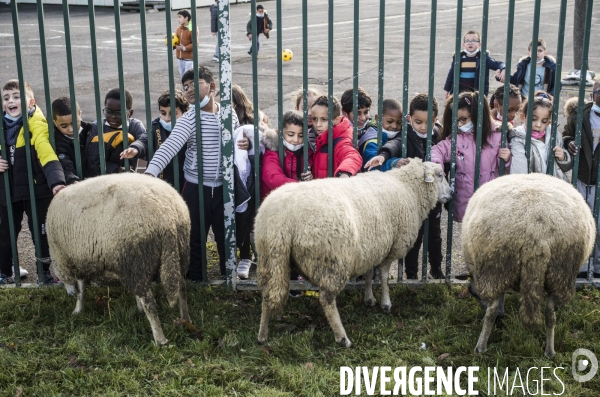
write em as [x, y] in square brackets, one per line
[110, 112]
[471, 41]
[188, 87]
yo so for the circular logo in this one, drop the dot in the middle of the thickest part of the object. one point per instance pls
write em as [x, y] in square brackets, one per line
[590, 363]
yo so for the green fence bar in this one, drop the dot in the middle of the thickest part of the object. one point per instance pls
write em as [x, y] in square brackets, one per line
[483, 77]
[71, 76]
[27, 135]
[452, 176]
[405, 78]
[507, 72]
[330, 90]
[124, 113]
[255, 147]
[172, 104]
[380, 72]
[196, 105]
[42, 29]
[557, 85]
[280, 88]
[355, 72]
[305, 79]
[147, 102]
[534, 41]
[100, 123]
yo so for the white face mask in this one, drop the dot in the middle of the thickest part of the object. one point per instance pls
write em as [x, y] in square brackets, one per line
[260, 15]
[596, 108]
[422, 136]
[204, 101]
[471, 53]
[292, 148]
[390, 134]
[467, 127]
[540, 61]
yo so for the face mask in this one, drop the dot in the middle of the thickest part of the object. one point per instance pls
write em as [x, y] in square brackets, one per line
[258, 14]
[538, 134]
[204, 101]
[390, 134]
[11, 118]
[471, 53]
[596, 108]
[498, 116]
[467, 127]
[540, 61]
[165, 125]
[292, 148]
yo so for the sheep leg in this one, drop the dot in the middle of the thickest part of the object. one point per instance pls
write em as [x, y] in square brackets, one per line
[151, 309]
[80, 292]
[183, 307]
[327, 299]
[140, 307]
[488, 324]
[550, 323]
[384, 271]
[263, 331]
[369, 298]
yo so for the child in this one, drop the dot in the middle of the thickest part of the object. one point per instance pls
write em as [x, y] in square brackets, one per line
[263, 25]
[48, 176]
[62, 116]
[364, 108]
[491, 151]
[346, 159]
[113, 137]
[184, 51]
[470, 59]
[540, 141]
[588, 160]
[183, 134]
[214, 27]
[312, 94]
[390, 156]
[245, 109]
[391, 124]
[497, 105]
[544, 70]
[161, 127]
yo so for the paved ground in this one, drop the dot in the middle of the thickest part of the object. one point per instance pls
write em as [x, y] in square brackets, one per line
[292, 38]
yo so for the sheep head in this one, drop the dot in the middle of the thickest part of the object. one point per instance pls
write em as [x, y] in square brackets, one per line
[433, 173]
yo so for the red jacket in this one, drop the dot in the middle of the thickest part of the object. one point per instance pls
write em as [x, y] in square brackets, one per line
[345, 157]
[272, 175]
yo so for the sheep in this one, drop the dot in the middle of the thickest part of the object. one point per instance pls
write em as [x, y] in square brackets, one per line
[529, 233]
[126, 227]
[336, 229]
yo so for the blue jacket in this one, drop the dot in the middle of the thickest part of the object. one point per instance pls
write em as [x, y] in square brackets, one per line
[367, 144]
[518, 77]
[490, 64]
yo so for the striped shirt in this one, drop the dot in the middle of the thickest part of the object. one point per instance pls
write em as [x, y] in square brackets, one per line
[185, 133]
[468, 67]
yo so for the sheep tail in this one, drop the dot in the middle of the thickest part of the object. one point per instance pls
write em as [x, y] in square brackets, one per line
[170, 274]
[535, 260]
[273, 269]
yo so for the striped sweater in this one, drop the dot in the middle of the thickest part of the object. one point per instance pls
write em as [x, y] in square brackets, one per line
[185, 133]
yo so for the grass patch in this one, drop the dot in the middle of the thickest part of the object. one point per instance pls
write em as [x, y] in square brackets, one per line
[108, 351]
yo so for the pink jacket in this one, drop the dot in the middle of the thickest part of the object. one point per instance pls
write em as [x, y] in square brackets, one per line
[465, 166]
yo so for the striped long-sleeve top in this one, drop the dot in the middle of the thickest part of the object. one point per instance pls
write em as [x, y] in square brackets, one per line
[184, 133]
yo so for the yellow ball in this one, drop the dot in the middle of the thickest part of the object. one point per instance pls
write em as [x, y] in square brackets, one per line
[287, 55]
[174, 38]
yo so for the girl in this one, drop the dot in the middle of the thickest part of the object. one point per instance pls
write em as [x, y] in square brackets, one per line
[497, 105]
[466, 147]
[540, 141]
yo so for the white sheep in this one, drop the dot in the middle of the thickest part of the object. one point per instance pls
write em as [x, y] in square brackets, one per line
[128, 227]
[529, 233]
[334, 229]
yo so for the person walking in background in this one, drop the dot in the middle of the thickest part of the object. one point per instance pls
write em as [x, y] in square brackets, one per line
[263, 25]
[214, 27]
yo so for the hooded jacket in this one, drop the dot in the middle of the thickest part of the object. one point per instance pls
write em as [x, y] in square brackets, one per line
[415, 146]
[272, 175]
[65, 150]
[588, 158]
[345, 157]
[47, 171]
[490, 64]
[262, 24]
[518, 78]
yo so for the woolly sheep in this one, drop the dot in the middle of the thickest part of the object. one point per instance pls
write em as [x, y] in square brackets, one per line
[529, 233]
[336, 229]
[129, 227]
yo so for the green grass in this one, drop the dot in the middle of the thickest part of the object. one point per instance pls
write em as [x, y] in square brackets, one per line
[108, 349]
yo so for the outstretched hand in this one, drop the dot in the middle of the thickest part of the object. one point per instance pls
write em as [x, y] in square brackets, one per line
[128, 153]
[374, 162]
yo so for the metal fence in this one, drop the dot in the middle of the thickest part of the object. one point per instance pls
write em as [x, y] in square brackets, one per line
[226, 78]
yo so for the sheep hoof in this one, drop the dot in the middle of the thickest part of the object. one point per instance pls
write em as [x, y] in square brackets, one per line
[77, 311]
[163, 343]
[370, 302]
[260, 341]
[550, 354]
[480, 350]
[387, 308]
[345, 342]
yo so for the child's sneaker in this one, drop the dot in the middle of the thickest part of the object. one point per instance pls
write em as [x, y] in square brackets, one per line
[215, 59]
[295, 294]
[49, 279]
[23, 272]
[5, 280]
[244, 268]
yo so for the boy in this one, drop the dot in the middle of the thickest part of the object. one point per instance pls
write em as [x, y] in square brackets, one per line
[469, 66]
[390, 157]
[185, 133]
[263, 25]
[588, 160]
[544, 71]
[65, 149]
[391, 124]
[346, 159]
[214, 27]
[184, 50]
[48, 176]
[161, 127]
[113, 137]
[364, 107]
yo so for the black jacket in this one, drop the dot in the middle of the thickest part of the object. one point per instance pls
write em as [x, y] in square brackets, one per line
[588, 158]
[415, 145]
[65, 150]
[518, 77]
[262, 23]
[158, 135]
[214, 13]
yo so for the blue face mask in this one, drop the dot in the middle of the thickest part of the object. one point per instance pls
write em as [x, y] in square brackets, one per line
[204, 101]
[11, 118]
[596, 108]
[165, 125]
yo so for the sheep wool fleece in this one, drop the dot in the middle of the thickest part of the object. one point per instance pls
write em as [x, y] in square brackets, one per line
[536, 247]
[141, 239]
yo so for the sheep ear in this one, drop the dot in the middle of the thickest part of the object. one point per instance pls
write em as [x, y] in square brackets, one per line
[429, 177]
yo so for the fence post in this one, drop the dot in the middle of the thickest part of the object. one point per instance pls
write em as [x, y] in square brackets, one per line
[531, 93]
[507, 70]
[483, 77]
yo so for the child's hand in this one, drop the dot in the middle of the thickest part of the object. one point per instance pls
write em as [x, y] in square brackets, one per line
[58, 188]
[402, 162]
[214, 33]
[500, 75]
[266, 31]
[447, 94]
[3, 165]
[374, 162]
[559, 153]
[306, 176]
[504, 154]
[244, 143]
[128, 153]
[250, 36]
[572, 148]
